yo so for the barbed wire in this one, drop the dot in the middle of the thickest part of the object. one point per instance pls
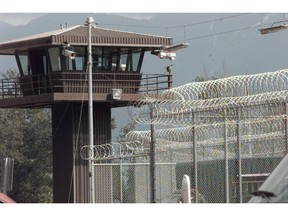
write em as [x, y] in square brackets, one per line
[113, 150]
[260, 137]
[214, 116]
[208, 116]
[178, 106]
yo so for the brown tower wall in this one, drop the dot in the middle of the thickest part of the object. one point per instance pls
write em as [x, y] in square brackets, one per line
[70, 133]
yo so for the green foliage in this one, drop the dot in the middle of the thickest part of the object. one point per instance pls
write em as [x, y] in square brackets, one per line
[25, 135]
[113, 124]
[202, 78]
[125, 129]
[9, 74]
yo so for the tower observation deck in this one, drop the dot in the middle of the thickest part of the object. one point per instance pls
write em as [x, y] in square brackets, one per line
[52, 67]
[53, 74]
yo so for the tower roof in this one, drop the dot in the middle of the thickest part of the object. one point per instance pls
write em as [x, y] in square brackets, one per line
[77, 35]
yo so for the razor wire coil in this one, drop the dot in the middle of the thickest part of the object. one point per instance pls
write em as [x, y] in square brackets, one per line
[175, 106]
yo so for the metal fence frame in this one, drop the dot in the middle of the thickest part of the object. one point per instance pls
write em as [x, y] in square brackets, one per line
[226, 134]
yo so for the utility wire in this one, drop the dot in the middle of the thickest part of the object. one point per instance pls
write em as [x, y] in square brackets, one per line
[219, 33]
[199, 23]
[78, 134]
[226, 32]
[177, 26]
[208, 21]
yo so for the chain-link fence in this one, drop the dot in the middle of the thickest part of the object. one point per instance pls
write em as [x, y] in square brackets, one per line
[216, 176]
[228, 135]
[126, 182]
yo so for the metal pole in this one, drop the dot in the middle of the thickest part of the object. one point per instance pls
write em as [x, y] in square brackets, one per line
[90, 110]
[5, 182]
[226, 158]
[2, 92]
[239, 155]
[121, 182]
[286, 127]
[152, 160]
[195, 157]
[7, 174]
[169, 69]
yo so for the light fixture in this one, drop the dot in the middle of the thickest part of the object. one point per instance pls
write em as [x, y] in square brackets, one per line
[116, 94]
[273, 29]
[67, 52]
[169, 52]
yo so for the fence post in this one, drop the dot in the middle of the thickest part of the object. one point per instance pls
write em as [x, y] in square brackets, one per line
[2, 93]
[286, 127]
[195, 157]
[169, 81]
[239, 154]
[152, 159]
[226, 158]
[157, 86]
[121, 182]
[147, 83]
[15, 85]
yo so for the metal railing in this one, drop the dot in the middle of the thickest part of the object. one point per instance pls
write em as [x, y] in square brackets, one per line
[155, 82]
[76, 82]
[9, 88]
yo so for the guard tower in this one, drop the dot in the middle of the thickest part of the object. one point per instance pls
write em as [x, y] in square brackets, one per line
[53, 74]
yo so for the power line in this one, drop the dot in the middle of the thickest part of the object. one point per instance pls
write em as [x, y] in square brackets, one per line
[199, 23]
[208, 21]
[224, 32]
[136, 26]
[219, 33]
[176, 26]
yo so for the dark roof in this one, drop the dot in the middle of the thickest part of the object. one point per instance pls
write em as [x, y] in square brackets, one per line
[77, 35]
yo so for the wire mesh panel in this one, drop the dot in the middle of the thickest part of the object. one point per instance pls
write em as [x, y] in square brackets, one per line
[104, 177]
[227, 135]
[130, 182]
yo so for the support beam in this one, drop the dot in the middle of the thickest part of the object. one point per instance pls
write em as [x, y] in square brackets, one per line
[70, 133]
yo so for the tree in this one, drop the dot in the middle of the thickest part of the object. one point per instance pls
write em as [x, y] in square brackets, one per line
[125, 129]
[113, 123]
[129, 172]
[25, 135]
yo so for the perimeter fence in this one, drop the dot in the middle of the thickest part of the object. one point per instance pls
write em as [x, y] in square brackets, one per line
[227, 134]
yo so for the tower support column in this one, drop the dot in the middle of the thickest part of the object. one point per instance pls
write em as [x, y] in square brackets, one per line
[70, 133]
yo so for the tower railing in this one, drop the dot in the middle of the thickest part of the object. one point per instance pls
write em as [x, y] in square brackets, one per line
[76, 82]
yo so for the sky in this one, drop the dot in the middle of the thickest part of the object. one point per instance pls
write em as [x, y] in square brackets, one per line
[16, 19]
[29, 10]
[9, 12]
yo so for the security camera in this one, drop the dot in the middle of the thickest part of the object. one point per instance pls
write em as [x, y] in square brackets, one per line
[169, 52]
[69, 53]
[167, 55]
[164, 55]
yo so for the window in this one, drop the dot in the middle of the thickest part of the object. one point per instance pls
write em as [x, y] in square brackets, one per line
[77, 64]
[116, 59]
[80, 58]
[24, 65]
[54, 59]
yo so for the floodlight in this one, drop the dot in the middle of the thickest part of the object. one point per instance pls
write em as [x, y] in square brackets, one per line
[273, 29]
[116, 94]
[169, 52]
